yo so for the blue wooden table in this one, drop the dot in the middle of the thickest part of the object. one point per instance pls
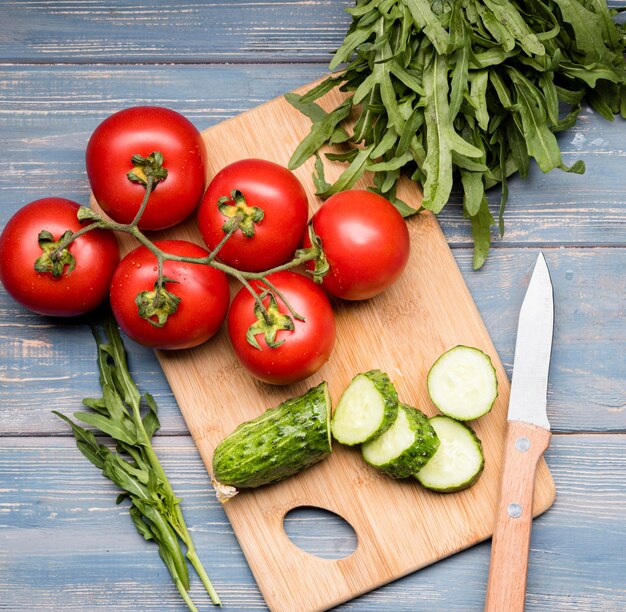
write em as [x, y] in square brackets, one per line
[64, 544]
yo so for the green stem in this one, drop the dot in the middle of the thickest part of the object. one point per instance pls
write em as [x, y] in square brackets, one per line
[279, 293]
[144, 202]
[184, 594]
[132, 396]
[134, 401]
[162, 256]
[197, 565]
[295, 262]
[181, 525]
[222, 242]
[242, 276]
[257, 298]
[78, 234]
[218, 265]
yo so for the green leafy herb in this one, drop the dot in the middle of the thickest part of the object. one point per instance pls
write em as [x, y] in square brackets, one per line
[134, 466]
[462, 92]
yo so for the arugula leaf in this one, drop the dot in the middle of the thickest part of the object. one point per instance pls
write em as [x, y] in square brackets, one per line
[350, 175]
[473, 191]
[426, 20]
[135, 468]
[465, 93]
[117, 430]
[481, 232]
[541, 141]
[321, 132]
[506, 13]
[441, 138]
[460, 71]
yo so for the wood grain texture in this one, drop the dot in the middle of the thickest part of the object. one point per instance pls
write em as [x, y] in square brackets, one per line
[215, 31]
[426, 311]
[524, 446]
[65, 545]
[587, 386]
[44, 132]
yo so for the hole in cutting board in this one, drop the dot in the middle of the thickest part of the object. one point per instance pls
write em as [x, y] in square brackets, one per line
[320, 532]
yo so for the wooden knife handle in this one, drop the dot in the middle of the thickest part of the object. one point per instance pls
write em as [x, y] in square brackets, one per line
[506, 586]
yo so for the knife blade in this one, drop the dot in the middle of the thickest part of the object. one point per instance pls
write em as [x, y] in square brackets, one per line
[527, 437]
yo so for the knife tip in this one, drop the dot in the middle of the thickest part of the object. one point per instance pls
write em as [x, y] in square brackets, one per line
[541, 263]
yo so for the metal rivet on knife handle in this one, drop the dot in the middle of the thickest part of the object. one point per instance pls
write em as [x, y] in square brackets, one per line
[522, 444]
[514, 510]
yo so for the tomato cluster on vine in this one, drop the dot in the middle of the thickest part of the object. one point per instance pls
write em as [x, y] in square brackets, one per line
[147, 171]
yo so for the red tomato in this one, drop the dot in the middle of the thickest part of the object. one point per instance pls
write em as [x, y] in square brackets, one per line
[203, 293]
[266, 186]
[303, 350]
[143, 130]
[73, 292]
[366, 243]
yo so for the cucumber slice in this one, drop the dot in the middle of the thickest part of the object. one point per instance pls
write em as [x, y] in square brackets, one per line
[459, 460]
[279, 443]
[405, 447]
[462, 383]
[367, 408]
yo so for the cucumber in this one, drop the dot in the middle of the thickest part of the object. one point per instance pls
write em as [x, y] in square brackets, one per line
[367, 408]
[462, 383]
[459, 460]
[404, 448]
[279, 443]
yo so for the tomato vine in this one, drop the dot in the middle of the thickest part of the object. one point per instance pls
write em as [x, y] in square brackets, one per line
[149, 180]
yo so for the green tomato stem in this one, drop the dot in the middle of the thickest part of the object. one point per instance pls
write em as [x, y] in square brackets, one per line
[242, 276]
[74, 235]
[144, 202]
[280, 294]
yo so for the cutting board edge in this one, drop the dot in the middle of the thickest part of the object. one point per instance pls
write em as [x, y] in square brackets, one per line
[276, 606]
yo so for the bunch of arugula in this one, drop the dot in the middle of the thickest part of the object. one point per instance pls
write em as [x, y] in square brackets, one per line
[135, 468]
[462, 90]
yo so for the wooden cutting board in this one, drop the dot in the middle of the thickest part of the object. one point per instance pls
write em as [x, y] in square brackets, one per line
[400, 526]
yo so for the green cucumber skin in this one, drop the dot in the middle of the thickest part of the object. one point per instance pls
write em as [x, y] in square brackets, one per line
[471, 481]
[385, 387]
[416, 456]
[277, 444]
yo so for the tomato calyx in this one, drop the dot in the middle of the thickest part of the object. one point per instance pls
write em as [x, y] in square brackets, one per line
[240, 215]
[159, 303]
[54, 259]
[87, 214]
[146, 168]
[321, 265]
[269, 321]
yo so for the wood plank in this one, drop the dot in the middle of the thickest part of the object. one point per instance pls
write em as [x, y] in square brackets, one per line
[44, 362]
[215, 31]
[45, 132]
[57, 515]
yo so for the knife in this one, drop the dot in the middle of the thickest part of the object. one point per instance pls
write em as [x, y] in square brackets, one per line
[527, 437]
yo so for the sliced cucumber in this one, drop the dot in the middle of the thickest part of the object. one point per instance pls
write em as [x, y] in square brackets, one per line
[280, 442]
[459, 460]
[405, 447]
[366, 409]
[462, 383]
